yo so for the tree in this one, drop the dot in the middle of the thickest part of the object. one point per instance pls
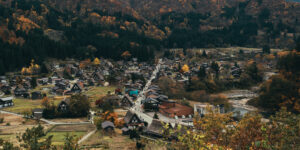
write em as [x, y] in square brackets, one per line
[253, 71]
[33, 82]
[126, 55]
[7, 145]
[204, 53]
[298, 45]
[46, 102]
[30, 139]
[70, 142]
[185, 68]
[96, 61]
[278, 92]
[202, 73]
[79, 105]
[155, 116]
[216, 68]
[284, 130]
[266, 49]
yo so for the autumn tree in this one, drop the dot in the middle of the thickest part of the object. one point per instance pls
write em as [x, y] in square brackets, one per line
[284, 130]
[278, 92]
[45, 102]
[249, 130]
[79, 106]
[126, 55]
[253, 71]
[96, 61]
[185, 68]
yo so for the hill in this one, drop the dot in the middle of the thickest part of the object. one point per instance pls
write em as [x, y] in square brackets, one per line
[36, 29]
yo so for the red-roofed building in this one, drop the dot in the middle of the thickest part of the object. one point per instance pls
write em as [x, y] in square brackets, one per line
[172, 109]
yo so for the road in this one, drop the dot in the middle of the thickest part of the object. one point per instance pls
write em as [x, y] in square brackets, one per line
[138, 109]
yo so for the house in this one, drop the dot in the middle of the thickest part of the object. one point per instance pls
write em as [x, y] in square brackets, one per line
[201, 109]
[107, 126]
[97, 77]
[6, 89]
[113, 100]
[77, 88]
[127, 101]
[37, 113]
[125, 131]
[172, 109]
[63, 106]
[150, 104]
[133, 92]
[21, 92]
[132, 121]
[156, 129]
[36, 95]
[6, 102]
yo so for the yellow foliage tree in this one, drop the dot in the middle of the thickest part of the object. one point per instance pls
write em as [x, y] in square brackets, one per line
[185, 68]
[96, 61]
[32, 69]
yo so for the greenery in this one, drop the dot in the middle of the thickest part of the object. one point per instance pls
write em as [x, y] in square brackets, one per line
[219, 131]
[283, 89]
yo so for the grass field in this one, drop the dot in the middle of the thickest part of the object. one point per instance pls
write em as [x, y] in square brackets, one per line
[21, 105]
[58, 137]
[113, 142]
[95, 93]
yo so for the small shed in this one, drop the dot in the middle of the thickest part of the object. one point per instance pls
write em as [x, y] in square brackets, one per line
[36, 95]
[107, 126]
[37, 113]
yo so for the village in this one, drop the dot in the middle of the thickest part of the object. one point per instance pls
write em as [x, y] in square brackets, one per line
[106, 103]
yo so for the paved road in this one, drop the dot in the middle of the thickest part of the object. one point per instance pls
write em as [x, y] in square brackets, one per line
[137, 108]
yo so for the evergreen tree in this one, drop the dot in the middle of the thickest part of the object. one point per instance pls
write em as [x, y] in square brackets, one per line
[202, 73]
[33, 82]
[266, 49]
[216, 68]
[204, 53]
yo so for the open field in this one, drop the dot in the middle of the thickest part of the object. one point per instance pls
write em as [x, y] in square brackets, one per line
[113, 142]
[95, 93]
[21, 105]
[69, 120]
[71, 128]
[17, 125]
[58, 137]
[60, 131]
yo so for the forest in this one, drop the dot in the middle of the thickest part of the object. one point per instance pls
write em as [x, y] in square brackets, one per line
[100, 33]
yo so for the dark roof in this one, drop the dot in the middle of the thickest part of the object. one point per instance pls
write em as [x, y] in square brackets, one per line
[124, 129]
[106, 124]
[67, 101]
[38, 110]
[128, 116]
[156, 127]
[113, 97]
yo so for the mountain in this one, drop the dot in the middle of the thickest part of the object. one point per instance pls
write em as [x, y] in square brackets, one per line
[38, 29]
